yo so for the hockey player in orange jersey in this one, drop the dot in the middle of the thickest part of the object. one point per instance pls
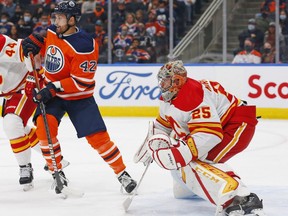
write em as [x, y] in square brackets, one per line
[70, 63]
[200, 126]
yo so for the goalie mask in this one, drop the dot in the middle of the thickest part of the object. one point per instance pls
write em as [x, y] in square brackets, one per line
[171, 77]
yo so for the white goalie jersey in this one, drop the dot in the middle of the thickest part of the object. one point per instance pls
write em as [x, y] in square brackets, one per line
[13, 70]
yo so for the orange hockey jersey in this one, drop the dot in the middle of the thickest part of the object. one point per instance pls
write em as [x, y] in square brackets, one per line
[72, 60]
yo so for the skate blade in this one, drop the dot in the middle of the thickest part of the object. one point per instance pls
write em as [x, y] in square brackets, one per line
[27, 187]
[258, 212]
[62, 196]
[127, 203]
[72, 192]
[255, 212]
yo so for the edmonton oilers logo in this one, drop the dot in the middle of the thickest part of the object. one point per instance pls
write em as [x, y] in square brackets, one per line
[54, 60]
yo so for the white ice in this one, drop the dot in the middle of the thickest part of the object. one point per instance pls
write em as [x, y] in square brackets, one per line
[262, 166]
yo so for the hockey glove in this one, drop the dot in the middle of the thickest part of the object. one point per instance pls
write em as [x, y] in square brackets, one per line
[169, 153]
[142, 153]
[45, 94]
[33, 43]
[30, 84]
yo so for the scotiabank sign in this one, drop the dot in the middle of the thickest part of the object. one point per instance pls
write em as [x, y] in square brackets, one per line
[270, 89]
[124, 85]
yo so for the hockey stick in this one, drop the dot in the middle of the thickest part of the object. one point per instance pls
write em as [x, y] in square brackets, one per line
[7, 94]
[128, 201]
[63, 188]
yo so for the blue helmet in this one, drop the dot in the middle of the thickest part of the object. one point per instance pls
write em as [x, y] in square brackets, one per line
[69, 8]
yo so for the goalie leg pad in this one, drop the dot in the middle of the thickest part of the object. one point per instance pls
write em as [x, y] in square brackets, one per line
[211, 183]
[180, 189]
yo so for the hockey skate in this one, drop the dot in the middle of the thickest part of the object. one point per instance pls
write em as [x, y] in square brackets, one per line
[127, 182]
[249, 205]
[26, 176]
[63, 180]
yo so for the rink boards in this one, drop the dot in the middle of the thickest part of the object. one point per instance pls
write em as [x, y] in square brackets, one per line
[131, 90]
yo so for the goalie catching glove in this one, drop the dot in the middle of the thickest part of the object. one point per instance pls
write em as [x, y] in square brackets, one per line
[142, 154]
[169, 153]
[46, 93]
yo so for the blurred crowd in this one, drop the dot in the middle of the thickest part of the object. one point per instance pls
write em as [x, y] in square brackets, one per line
[257, 41]
[140, 28]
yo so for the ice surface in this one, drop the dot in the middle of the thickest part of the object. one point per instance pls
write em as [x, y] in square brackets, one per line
[262, 166]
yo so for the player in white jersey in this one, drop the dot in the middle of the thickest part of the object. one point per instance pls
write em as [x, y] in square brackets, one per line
[18, 106]
[199, 127]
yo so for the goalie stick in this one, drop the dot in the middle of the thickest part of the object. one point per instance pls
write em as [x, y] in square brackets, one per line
[128, 201]
[66, 191]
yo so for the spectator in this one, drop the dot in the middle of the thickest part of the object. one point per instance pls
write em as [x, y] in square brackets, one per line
[153, 27]
[9, 8]
[5, 25]
[101, 38]
[262, 20]
[119, 16]
[249, 54]
[144, 4]
[153, 5]
[121, 42]
[48, 7]
[181, 20]
[189, 11]
[17, 15]
[147, 41]
[284, 25]
[162, 12]
[42, 26]
[100, 14]
[270, 35]
[103, 3]
[25, 26]
[38, 13]
[252, 32]
[157, 29]
[137, 55]
[131, 23]
[14, 33]
[268, 55]
[88, 6]
[141, 16]
[132, 6]
[270, 5]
